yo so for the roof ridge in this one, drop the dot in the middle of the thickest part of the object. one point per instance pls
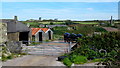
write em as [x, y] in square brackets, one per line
[35, 30]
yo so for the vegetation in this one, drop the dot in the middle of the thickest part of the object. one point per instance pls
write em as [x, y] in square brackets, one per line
[78, 59]
[67, 22]
[6, 55]
[67, 62]
[98, 48]
[82, 29]
[87, 22]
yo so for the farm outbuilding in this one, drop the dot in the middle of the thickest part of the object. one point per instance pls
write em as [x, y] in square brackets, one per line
[17, 31]
[40, 34]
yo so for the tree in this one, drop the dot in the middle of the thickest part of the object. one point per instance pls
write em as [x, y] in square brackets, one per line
[51, 23]
[68, 22]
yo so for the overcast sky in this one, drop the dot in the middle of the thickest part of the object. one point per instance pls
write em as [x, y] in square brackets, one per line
[60, 10]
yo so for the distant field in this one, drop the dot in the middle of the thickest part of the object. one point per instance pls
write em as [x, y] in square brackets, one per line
[35, 23]
[117, 22]
[87, 22]
[49, 22]
[74, 22]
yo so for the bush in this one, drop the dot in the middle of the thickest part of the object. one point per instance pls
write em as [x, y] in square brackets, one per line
[67, 62]
[10, 57]
[78, 59]
[98, 60]
[104, 46]
[113, 53]
[4, 58]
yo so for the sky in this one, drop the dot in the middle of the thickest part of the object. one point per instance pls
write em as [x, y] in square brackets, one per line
[60, 10]
[59, 0]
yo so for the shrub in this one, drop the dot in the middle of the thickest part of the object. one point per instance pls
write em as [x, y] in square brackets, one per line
[78, 59]
[67, 62]
[10, 57]
[4, 58]
[113, 53]
[98, 60]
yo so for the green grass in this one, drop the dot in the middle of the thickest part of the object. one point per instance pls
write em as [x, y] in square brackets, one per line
[87, 22]
[97, 60]
[34, 23]
[44, 22]
[49, 22]
[74, 22]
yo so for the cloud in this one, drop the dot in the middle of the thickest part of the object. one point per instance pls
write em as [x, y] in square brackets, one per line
[60, 14]
[60, 0]
[89, 8]
[46, 11]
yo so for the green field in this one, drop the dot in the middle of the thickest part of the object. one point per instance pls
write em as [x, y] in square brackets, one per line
[34, 23]
[87, 22]
[117, 22]
[49, 22]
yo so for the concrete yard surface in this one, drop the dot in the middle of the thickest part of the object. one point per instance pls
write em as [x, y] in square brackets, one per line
[33, 60]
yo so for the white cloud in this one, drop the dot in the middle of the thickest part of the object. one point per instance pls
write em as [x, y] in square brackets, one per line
[61, 14]
[89, 8]
[60, 0]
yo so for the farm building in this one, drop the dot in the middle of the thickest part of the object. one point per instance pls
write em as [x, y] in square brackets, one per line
[51, 26]
[40, 34]
[17, 31]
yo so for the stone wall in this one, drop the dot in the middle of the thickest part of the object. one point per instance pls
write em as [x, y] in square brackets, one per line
[14, 47]
[3, 32]
[13, 36]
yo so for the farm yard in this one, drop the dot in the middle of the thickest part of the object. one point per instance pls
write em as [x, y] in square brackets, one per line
[64, 34]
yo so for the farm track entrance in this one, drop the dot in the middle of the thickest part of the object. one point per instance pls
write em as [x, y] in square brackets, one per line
[47, 48]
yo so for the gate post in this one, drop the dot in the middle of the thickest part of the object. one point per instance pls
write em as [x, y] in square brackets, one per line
[69, 48]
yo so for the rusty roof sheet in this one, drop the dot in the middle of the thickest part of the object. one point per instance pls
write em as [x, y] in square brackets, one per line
[35, 30]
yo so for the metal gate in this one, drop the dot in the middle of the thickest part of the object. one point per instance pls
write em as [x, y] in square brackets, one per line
[47, 48]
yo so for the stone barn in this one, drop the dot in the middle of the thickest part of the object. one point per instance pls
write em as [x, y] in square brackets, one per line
[17, 31]
[40, 34]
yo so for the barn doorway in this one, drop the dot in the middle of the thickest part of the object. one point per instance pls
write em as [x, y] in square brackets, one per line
[40, 36]
[49, 34]
[23, 36]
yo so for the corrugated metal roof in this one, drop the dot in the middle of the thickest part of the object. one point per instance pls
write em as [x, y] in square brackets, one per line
[35, 30]
[44, 29]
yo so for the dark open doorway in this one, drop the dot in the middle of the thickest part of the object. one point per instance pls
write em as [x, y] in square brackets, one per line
[40, 36]
[23, 36]
[49, 34]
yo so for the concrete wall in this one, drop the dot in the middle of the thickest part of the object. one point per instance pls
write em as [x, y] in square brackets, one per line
[3, 32]
[45, 36]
